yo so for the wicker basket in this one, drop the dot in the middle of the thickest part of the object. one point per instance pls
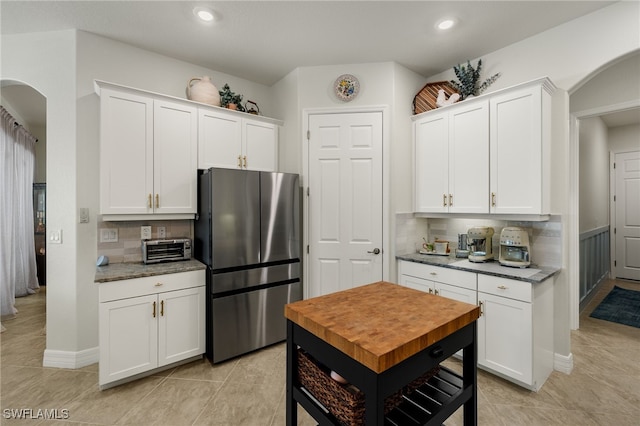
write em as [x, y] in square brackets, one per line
[345, 402]
[425, 100]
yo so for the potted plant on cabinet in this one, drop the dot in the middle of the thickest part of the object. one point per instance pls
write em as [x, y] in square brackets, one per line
[468, 84]
[229, 99]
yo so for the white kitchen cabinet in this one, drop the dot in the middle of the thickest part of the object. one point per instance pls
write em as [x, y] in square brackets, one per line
[452, 159]
[149, 323]
[520, 146]
[148, 154]
[457, 285]
[228, 140]
[515, 329]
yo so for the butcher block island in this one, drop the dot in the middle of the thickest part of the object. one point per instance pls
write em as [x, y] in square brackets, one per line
[387, 341]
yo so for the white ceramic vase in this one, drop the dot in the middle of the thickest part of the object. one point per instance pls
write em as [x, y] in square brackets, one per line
[201, 89]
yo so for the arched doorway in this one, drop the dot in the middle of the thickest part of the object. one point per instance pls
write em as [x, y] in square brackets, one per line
[609, 97]
[28, 108]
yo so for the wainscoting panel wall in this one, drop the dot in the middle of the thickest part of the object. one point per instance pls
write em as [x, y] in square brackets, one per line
[594, 259]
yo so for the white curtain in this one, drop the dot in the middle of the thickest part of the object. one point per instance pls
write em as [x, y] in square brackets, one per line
[18, 271]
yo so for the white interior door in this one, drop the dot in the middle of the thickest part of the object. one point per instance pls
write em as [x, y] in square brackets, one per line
[345, 201]
[627, 205]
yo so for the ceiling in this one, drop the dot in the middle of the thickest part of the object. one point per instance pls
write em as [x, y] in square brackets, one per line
[262, 41]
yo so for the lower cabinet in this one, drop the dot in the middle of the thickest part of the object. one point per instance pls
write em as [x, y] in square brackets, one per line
[515, 328]
[457, 285]
[148, 323]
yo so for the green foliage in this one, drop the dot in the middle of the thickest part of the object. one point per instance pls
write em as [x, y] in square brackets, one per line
[468, 83]
[229, 97]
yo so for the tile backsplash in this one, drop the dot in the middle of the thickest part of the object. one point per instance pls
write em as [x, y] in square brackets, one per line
[128, 247]
[545, 237]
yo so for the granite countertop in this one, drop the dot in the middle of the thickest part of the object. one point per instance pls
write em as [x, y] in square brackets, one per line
[532, 274]
[125, 271]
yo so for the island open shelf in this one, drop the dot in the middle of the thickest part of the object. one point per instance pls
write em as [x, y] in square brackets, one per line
[382, 337]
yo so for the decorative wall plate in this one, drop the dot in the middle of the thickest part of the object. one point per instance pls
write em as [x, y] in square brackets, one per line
[346, 87]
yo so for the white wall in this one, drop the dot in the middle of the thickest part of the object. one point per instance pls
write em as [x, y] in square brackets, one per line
[594, 174]
[624, 138]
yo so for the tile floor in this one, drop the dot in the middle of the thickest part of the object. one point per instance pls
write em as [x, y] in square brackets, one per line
[603, 389]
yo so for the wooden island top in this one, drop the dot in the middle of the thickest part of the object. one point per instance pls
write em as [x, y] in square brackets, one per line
[381, 324]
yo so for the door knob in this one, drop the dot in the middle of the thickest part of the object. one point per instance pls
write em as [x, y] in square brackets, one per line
[375, 251]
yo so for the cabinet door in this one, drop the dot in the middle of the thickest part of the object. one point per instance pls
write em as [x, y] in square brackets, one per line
[181, 325]
[126, 152]
[175, 154]
[469, 158]
[128, 337]
[431, 138]
[505, 337]
[260, 148]
[219, 140]
[516, 152]
[456, 293]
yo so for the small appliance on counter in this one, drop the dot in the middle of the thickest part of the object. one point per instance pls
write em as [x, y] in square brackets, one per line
[156, 251]
[514, 247]
[479, 243]
[462, 250]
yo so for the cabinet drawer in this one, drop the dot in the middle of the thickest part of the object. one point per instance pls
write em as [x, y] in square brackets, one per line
[439, 274]
[504, 287]
[134, 287]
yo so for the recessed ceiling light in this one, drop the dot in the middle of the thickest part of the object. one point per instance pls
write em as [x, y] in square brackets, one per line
[445, 24]
[204, 14]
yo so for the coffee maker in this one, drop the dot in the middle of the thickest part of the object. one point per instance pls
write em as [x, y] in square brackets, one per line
[479, 243]
[514, 247]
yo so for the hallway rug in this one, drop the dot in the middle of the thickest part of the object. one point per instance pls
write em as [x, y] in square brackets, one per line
[621, 306]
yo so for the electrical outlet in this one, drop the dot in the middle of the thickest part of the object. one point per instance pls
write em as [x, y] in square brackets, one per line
[145, 232]
[162, 232]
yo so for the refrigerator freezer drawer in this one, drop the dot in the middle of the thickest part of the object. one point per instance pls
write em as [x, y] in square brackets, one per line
[246, 278]
[248, 321]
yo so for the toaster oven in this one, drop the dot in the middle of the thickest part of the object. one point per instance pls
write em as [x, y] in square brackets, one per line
[156, 251]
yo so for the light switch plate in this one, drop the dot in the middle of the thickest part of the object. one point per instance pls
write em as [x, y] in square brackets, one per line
[108, 235]
[145, 232]
[55, 236]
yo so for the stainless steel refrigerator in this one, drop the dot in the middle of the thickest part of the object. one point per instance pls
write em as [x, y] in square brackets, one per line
[247, 232]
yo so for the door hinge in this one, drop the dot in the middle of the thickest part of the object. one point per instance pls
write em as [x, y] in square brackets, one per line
[308, 135]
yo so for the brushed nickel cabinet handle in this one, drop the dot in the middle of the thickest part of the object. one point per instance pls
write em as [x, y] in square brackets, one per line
[162, 308]
[481, 308]
[149, 201]
[444, 200]
[493, 199]
[450, 199]
[503, 287]
[245, 161]
[154, 309]
[239, 161]
[157, 201]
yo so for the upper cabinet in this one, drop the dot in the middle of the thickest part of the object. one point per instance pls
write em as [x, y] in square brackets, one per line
[148, 155]
[487, 155]
[520, 141]
[152, 145]
[452, 160]
[232, 141]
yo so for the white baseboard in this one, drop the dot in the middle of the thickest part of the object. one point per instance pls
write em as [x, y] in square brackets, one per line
[71, 360]
[563, 363]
